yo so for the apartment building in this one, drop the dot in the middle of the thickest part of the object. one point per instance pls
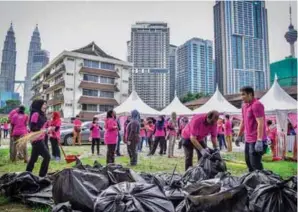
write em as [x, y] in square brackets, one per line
[83, 82]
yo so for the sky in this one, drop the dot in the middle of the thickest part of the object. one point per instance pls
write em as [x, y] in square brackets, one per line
[71, 25]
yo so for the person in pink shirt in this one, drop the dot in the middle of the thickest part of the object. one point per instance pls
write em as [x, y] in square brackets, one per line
[271, 132]
[143, 135]
[220, 134]
[95, 135]
[19, 123]
[182, 125]
[254, 129]
[150, 130]
[111, 135]
[172, 128]
[228, 132]
[194, 134]
[5, 129]
[54, 135]
[77, 131]
[160, 136]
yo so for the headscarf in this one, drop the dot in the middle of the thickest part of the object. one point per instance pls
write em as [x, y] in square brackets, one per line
[36, 107]
[135, 115]
[56, 118]
[160, 124]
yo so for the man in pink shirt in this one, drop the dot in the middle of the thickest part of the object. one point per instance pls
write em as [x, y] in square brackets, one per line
[254, 129]
[194, 133]
[228, 132]
[77, 131]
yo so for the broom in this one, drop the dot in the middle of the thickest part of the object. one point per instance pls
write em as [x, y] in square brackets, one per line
[28, 138]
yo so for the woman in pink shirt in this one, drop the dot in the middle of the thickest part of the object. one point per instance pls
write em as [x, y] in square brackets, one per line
[172, 127]
[150, 130]
[271, 132]
[160, 136]
[228, 132]
[54, 135]
[77, 131]
[5, 129]
[111, 135]
[19, 124]
[95, 135]
[142, 135]
[220, 134]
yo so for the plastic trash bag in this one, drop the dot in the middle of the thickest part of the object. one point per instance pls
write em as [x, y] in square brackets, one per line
[273, 198]
[292, 183]
[227, 180]
[205, 187]
[153, 179]
[194, 174]
[132, 197]
[213, 164]
[63, 207]
[43, 197]
[174, 191]
[253, 179]
[232, 200]
[79, 187]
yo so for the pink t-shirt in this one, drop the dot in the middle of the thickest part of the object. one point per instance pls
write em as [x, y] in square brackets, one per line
[199, 128]
[142, 133]
[77, 123]
[271, 133]
[172, 132]
[251, 111]
[228, 128]
[12, 113]
[160, 132]
[150, 129]
[220, 130]
[54, 133]
[5, 126]
[19, 122]
[111, 133]
[34, 119]
[95, 132]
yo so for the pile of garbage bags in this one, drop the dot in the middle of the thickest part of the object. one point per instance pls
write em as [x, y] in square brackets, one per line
[206, 187]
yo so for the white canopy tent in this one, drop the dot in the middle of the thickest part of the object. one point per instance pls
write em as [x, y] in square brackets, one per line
[134, 102]
[219, 103]
[277, 99]
[177, 107]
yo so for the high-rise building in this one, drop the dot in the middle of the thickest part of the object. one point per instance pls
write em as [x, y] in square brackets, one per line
[8, 64]
[149, 53]
[34, 47]
[40, 60]
[241, 45]
[172, 68]
[195, 72]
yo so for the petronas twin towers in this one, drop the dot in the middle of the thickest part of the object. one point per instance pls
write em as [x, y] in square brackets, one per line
[37, 59]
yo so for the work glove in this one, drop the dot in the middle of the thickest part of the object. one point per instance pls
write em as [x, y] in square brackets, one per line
[238, 140]
[259, 147]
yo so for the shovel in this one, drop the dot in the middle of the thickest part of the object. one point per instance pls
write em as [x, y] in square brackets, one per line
[68, 158]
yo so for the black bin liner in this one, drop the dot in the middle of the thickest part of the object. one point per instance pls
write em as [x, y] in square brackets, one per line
[174, 189]
[227, 180]
[292, 183]
[133, 197]
[64, 207]
[273, 198]
[194, 174]
[213, 164]
[79, 187]
[153, 179]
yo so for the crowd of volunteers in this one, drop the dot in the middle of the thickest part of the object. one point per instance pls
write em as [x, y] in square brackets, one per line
[151, 133]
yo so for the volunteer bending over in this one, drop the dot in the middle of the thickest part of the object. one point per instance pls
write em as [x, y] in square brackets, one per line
[194, 133]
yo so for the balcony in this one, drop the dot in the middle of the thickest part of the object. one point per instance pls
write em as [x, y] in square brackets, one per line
[97, 101]
[58, 70]
[87, 116]
[100, 72]
[98, 86]
[58, 84]
[57, 99]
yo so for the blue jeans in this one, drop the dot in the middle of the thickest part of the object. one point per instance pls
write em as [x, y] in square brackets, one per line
[140, 145]
[221, 141]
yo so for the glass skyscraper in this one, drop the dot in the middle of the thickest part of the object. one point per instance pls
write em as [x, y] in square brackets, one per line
[172, 68]
[241, 45]
[195, 71]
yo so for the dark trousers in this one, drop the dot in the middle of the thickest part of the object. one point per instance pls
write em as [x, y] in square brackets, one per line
[221, 141]
[150, 143]
[253, 159]
[188, 151]
[118, 145]
[95, 141]
[158, 140]
[55, 147]
[111, 153]
[133, 153]
[5, 133]
[140, 145]
[46, 141]
[180, 143]
[39, 148]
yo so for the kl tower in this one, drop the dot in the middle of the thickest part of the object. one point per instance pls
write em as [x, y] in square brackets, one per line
[291, 35]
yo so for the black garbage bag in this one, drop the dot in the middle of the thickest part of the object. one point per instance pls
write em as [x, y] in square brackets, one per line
[15, 185]
[232, 200]
[174, 190]
[43, 197]
[97, 167]
[227, 180]
[292, 183]
[194, 174]
[253, 179]
[273, 198]
[153, 179]
[213, 164]
[79, 187]
[132, 197]
[169, 178]
[63, 207]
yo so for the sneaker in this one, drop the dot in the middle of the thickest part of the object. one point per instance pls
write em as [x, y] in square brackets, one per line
[58, 158]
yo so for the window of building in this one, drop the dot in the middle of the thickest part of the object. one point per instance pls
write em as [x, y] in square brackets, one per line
[70, 59]
[105, 108]
[68, 105]
[125, 81]
[107, 80]
[90, 78]
[69, 89]
[91, 64]
[57, 107]
[69, 74]
[108, 66]
[89, 107]
[107, 94]
[89, 92]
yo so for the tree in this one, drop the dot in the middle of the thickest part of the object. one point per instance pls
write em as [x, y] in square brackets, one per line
[190, 97]
[10, 105]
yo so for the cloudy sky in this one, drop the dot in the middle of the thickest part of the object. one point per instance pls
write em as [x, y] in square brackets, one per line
[71, 25]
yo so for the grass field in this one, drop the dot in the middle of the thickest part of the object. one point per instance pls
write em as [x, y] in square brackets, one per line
[145, 164]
